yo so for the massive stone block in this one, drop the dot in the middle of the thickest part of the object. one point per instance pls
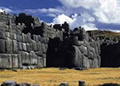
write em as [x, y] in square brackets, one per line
[2, 46]
[84, 49]
[33, 58]
[20, 47]
[2, 35]
[9, 46]
[34, 46]
[77, 58]
[24, 47]
[14, 60]
[25, 58]
[86, 63]
[9, 83]
[14, 46]
[40, 62]
[5, 61]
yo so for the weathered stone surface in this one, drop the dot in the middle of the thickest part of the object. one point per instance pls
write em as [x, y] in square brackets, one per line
[33, 58]
[24, 84]
[9, 45]
[43, 48]
[110, 84]
[29, 47]
[86, 63]
[9, 83]
[14, 46]
[14, 60]
[77, 59]
[35, 85]
[34, 46]
[25, 58]
[24, 47]
[19, 38]
[29, 37]
[7, 34]
[20, 48]
[2, 35]
[83, 49]
[40, 62]
[5, 61]
[2, 46]
[81, 83]
[75, 41]
[64, 84]
[20, 60]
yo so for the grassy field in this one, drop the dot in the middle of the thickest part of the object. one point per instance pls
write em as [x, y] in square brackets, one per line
[54, 76]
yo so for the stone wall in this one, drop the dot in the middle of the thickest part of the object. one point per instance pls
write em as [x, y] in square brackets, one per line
[26, 42]
[19, 50]
[109, 48]
[77, 50]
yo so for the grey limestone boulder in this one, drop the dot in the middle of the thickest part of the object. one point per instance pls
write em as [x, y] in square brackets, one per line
[14, 60]
[75, 41]
[86, 63]
[14, 46]
[23, 84]
[2, 46]
[33, 58]
[5, 61]
[40, 62]
[81, 83]
[34, 45]
[2, 35]
[9, 45]
[20, 48]
[24, 47]
[44, 49]
[77, 58]
[64, 84]
[35, 85]
[83, 49]
[9, 83]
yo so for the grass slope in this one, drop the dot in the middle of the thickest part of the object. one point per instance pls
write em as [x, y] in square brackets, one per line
[105, 33]
[54, 76]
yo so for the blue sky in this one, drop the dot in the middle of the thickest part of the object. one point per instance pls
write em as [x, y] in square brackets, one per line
[29, 4]
[20, 5]
[90, 14]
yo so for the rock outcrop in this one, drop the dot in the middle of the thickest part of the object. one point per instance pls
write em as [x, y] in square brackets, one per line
[26, 42]
[109, 47]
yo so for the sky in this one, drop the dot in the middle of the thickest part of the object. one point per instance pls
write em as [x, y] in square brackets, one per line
[90, 14]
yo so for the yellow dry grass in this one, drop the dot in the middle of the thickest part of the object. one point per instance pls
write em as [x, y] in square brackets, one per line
[54, 76]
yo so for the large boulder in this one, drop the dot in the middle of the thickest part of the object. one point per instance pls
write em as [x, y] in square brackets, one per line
[2, 46]
[2, 35]
[5, 61]
[77, 57]
[9, 83]
[64, 84]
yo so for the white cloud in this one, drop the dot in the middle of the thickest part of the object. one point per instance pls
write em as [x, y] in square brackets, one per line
[108, 11]
[75, 21]
[89, 26]
[44, 10]
[60, 19]
[104, 11]
[51, 15]
[79, 3]
[2, 9]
